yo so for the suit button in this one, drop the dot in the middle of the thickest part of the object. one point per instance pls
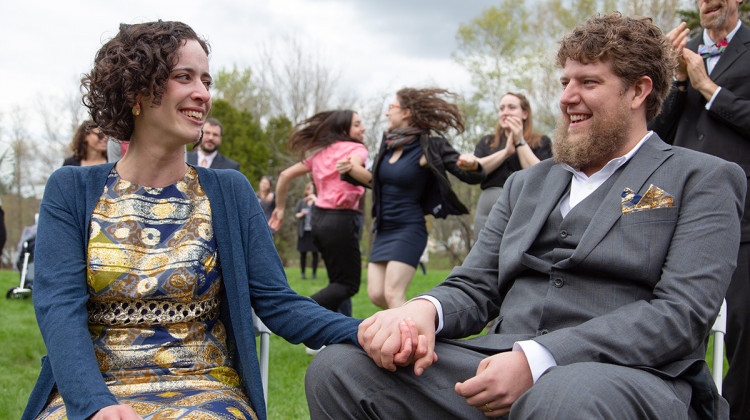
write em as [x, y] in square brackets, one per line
[563, 234]
[700, 137]
[558, 283]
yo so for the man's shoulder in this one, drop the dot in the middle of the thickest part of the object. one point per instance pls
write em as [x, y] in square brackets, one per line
[227, 163]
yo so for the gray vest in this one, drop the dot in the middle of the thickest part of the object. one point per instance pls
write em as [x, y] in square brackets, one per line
[536, 290]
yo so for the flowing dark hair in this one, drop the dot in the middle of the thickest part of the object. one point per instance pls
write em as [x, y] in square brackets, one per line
[78, 145]
[528, 125]
[137, 61]
[429, 110]
[320, 131]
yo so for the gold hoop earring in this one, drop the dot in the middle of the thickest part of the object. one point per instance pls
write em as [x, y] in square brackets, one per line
[136, 109]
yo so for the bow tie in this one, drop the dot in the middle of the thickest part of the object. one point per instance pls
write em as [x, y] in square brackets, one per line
[707, 51]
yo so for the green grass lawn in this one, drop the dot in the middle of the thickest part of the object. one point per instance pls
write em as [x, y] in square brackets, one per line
[22, 347]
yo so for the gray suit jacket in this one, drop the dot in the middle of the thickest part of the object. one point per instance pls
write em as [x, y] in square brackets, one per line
[220, 161]
[641, 289]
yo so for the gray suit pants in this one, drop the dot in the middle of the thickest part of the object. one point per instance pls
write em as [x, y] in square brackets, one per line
[342, 382]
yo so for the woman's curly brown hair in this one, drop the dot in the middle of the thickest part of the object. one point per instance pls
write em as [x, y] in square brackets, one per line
[429, 110]
[78, 145]
[645, 52]
[137, 61]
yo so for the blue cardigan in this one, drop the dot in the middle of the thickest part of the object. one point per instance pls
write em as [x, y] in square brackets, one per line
[252, 272]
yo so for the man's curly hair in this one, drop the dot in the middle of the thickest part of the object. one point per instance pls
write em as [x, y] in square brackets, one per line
[634, 47]
[429, 110]
[137, 61]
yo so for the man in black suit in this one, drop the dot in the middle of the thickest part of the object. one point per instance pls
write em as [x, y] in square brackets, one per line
[207, 154]
[708, 109]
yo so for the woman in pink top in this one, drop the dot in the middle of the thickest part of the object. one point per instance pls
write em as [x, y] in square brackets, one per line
[321, 141]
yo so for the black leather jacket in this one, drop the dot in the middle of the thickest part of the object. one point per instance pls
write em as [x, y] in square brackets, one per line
[438, 198]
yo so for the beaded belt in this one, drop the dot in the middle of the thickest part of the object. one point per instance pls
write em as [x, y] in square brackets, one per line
[149, 312]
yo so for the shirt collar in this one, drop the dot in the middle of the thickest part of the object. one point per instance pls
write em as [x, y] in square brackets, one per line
[209, 156]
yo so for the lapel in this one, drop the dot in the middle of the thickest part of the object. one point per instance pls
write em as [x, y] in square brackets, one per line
[634, 175]
[735, 49]
[555, 183]
[218, 162]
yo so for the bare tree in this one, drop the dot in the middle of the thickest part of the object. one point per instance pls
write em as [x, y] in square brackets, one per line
[298, 82]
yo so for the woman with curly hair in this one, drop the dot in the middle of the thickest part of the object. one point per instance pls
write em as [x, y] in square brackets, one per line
[513, 147]
[89, 146]
[148, 270]
[409, 181]
[321, 141]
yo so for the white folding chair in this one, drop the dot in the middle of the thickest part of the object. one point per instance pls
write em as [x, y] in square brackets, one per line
[718, 330]
[263, 356]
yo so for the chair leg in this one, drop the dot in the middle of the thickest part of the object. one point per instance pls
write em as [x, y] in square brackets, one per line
[718, 363]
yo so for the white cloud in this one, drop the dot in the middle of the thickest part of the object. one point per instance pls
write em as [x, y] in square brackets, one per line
[376, 46]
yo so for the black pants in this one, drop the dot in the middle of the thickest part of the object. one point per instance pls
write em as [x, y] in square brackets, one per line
[335, 234]
[303, 262]
[737, 382]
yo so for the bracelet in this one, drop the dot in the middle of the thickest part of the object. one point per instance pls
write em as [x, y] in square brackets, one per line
[521, 143]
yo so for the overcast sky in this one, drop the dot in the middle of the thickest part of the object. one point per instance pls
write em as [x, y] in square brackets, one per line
[376, 45]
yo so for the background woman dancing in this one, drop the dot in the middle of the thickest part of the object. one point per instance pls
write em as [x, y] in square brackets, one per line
[326, 138]
[409, 180]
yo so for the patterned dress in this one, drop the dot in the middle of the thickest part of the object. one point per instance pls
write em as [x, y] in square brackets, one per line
[154, 282]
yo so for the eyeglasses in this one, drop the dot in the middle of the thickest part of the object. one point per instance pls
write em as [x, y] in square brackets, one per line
[391, 106]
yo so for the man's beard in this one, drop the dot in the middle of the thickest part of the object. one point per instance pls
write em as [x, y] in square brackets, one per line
[599, 145]
[206, 150]
[714, 22]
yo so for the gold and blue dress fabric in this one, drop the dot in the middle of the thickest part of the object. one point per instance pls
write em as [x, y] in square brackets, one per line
[154, 286]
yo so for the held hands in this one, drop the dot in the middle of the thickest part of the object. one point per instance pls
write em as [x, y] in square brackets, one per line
[116, 412]
[401, 336]
[277, 217]
[467, 162]
[500, 380]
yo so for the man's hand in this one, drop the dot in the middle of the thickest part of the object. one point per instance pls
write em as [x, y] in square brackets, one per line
[116, 412]
[277, 217]
[678, 38]
[400, 336]
[696, 70]
[501, 379]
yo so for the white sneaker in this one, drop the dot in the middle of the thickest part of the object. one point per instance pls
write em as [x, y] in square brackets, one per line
[313, 352]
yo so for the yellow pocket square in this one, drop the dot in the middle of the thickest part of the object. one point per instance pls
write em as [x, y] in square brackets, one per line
[654, 198]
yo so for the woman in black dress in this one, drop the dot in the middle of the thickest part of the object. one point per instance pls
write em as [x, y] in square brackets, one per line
[513, 147]
[409, 181]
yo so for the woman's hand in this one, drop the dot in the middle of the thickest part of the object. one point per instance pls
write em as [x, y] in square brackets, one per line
[343, 166]
[515, 129]
[277, 218]
[468, 162]
[116, 412]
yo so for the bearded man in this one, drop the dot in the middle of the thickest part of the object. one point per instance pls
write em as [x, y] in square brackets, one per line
[606, 266]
